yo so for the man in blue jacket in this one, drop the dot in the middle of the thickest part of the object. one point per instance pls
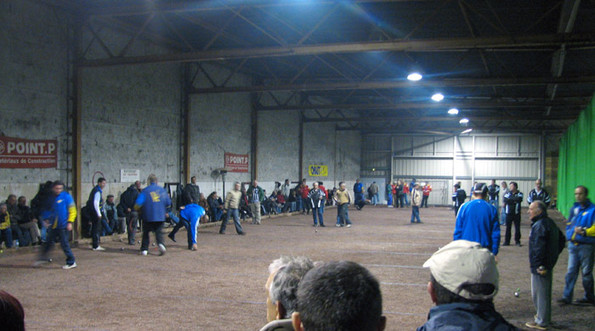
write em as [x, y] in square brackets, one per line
[463, 283]
[191, 213]
[152, 202]
[477, 220]
[59, 223]
[580, 233]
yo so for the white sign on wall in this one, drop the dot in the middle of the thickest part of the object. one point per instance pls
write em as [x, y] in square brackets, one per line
[129, 175]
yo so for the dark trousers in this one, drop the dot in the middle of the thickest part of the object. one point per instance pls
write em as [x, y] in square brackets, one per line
[151, 227]
[49, 243]
[456, 210]
[510, 219]
[131, 219]
[182, 223]
[95, 229]
[424, 201]
[401, 201]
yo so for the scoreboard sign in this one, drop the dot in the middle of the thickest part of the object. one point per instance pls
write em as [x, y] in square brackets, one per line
[28, 153]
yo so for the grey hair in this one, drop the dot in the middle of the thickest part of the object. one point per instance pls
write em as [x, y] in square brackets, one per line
[289, 273]
[541, 206]
[152, 179]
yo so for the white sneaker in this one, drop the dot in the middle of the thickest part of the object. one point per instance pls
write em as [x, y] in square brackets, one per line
[348, 225]
[144, 253]
[338, 225]
[69, 266]
[99, 248]
[161, 249]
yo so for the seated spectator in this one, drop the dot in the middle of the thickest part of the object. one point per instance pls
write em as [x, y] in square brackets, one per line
[5, 231]
[27, 222]
[463, 284]
[280, 201]
[285, 274]
[215, 206]
[202, 201]
[13, 211]
[111, 214]
[339, 296]
[12, 314]
[270, 204]
[291, 204]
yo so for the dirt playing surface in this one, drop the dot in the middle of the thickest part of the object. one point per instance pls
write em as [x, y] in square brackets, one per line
[221, 286]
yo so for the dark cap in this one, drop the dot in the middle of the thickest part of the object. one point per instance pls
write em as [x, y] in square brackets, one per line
[480, 188]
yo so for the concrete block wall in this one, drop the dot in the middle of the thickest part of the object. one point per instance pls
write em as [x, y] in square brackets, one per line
[33, 100]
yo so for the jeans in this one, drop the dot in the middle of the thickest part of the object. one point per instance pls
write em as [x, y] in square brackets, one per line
[299, 204]
[406, 197]
[375, 199]
[415, 214]
[389, 199]
[541, 292]
[131, 221]
[580, 257]
[106, 229]
[236, 221]
[6, 236]
[510, 219]
[17, 234]
[343, 214]
[148, 227]
[401, 201]
[317, 211]
[49, 243]
[217, 214]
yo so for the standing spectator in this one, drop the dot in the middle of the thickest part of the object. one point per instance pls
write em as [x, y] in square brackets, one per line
[406, 191]
[232, 204]
[304, 192]
[416, 198]
[580, 233]
[291, 204]
[374, 193]
[494, 194]
[458, 197]
[126, 206]
[111, 215]
[62, 214]
[191, 214]
[343, 199]
[513, 200]
[399, 191]
[538, 193]
[546, 242]
[316, 197]
[426, 189]
[463, 283]
[191, 193]
[153, 202]
[13, 211]
[5, 231]
[477, 221]
[95, 208]
[389, 194]
[504, 190]
[358, 191]
[244, 205]
[256, 196]
[27, 223]
[286, 188]
[326, 196]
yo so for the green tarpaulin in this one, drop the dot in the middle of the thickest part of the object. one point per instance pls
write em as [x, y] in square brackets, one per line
[577, 159]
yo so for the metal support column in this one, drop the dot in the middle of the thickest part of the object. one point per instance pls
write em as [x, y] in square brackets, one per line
[301, 140]
[186, 107]
[76, 148]
[254, 136]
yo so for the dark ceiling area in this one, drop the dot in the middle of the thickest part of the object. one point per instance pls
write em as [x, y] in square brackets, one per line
[507, 66]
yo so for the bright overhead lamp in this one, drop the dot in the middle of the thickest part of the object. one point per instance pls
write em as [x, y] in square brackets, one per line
[467, 131]
[453, 111]
[464, 121]
[438, 97]
[414, 76]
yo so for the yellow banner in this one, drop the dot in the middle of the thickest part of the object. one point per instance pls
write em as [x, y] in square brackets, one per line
[318, 170]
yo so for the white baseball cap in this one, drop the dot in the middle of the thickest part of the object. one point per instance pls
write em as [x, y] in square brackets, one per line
[464, 262]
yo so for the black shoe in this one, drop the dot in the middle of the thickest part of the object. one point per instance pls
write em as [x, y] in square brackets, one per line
[519, 244]
[322, 225]
[505, 244]
[584, 302]
[563, 301]
[242, 233]
[221, 232]
[171, 237]
[315, 224]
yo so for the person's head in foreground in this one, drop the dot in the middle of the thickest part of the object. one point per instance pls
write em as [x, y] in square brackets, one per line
[339, 296]
[285, 274]
[12, 315]
[463, 283]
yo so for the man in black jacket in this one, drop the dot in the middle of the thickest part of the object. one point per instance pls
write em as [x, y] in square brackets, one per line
[191, 192]
[459, 195]
[512, 203]
[126, 206]
[546, 242]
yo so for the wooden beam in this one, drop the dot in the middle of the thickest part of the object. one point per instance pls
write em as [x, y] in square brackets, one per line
[441, 118]
[426, 45]
[395, 84]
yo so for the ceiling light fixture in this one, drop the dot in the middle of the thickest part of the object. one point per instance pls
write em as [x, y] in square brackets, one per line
[438, 97]
[414, 76]
[467, 131]
[453, 111]
[464, 121]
